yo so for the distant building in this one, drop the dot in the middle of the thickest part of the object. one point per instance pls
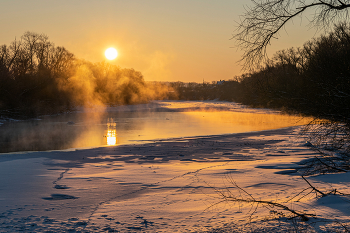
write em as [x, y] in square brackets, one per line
[220, 82]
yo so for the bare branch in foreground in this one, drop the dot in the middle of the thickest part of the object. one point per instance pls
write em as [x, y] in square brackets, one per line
[227, 195]
[244, 197]
[264, 20]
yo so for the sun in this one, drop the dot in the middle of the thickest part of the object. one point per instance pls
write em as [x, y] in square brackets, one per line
[111, 53]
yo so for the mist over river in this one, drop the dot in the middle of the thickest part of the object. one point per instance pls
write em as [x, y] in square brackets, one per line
[135, 124]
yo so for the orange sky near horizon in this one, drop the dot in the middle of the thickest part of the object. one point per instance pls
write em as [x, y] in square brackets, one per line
[165, 40]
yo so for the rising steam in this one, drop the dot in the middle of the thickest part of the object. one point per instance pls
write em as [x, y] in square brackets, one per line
[96, 84]
[39, 78]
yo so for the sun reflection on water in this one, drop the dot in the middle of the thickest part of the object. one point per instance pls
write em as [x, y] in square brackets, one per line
[111, 133]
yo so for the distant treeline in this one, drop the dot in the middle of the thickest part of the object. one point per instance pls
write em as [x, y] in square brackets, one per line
[313, 79]
[36, 77]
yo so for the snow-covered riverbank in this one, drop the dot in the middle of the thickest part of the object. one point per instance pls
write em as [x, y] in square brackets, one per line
[167, 186]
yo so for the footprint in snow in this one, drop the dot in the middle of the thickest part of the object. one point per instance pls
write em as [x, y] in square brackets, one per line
[55, 197]
[57, 186]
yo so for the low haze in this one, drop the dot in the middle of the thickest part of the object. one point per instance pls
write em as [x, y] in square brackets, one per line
[187, 41]
[137, 116]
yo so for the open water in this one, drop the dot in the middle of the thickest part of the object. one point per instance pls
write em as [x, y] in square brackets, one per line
[87, 128]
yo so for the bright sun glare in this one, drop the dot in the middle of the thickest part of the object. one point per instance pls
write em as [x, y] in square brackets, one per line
[111, 53]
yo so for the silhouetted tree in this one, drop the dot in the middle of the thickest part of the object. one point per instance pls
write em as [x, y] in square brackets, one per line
[266, 18]
[30, 70]
[36, 77]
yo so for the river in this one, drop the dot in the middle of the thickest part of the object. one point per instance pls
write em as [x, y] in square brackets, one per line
[135, 124]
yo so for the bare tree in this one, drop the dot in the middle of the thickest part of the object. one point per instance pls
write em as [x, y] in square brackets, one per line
[264, 20]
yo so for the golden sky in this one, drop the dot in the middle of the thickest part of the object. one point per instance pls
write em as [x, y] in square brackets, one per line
[167, 40]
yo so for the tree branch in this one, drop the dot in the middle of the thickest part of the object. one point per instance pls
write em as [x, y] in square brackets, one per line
[262, 22]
